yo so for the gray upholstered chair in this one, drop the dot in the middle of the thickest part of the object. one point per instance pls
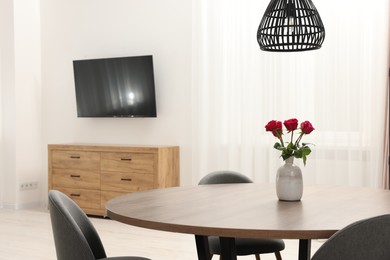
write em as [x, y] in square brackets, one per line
[362, 240]
[74, 235]
[244, 246]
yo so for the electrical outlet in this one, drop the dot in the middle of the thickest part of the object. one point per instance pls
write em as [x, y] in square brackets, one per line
[28, 185]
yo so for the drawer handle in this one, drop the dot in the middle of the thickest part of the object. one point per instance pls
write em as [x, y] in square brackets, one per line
[126, 179]
[74, 176]
[125, 159]
[75, 157]
[75, 195]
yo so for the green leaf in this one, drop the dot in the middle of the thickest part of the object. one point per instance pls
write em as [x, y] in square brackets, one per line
[286, 154]
[298, 154]
[278, 146]
[306, 150]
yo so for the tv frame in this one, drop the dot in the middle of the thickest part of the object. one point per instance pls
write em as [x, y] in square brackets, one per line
[109, 87]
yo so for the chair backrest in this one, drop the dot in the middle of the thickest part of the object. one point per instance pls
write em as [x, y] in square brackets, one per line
[362, 240]
[220, 177]
[74, 235]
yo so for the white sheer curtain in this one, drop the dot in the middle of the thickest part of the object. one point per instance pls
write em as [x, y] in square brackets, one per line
[340, 88]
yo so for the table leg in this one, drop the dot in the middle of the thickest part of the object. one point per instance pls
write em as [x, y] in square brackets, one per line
[228, 248]
[304, 249]
[202, 247]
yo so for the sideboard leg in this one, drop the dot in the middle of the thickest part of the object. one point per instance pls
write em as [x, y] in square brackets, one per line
[304, 249]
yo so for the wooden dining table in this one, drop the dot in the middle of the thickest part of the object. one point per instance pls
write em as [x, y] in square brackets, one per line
[248, 211]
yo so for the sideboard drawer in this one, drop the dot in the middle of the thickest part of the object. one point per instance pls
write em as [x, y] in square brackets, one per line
[126, 182]
[76, 160]
[73, 178]
[84, 198]
[128, 162]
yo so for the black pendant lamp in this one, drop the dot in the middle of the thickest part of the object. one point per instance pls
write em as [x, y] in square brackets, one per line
[289, 26]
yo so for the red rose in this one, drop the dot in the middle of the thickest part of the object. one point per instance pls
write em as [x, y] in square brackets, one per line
[306, 127]
[275, 127]
[291, 124]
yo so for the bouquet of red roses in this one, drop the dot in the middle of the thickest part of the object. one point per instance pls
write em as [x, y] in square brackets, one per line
[291, 148]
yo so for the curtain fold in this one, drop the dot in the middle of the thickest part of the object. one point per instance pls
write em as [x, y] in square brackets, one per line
[237, 89]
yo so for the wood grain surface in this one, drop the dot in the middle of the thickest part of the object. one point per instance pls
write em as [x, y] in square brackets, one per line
[249, 210]
[92, 174]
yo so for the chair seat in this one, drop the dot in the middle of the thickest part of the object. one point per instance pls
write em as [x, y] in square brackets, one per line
[248, 246]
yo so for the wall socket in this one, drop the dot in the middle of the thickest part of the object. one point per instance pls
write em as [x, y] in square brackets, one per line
[28, 185]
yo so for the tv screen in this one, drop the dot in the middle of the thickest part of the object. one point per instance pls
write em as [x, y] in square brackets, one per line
[115, 87]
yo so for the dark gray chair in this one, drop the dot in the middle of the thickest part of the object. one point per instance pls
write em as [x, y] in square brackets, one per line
[244, 246]
[367, 239]
[74, 235]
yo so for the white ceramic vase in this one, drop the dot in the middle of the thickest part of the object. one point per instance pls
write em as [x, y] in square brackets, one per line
[289, 183]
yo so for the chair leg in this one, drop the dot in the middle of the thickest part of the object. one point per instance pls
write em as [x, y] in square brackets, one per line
[278, 256]
[257, 257]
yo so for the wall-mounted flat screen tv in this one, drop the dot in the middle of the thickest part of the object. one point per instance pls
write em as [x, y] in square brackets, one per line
[115, 87]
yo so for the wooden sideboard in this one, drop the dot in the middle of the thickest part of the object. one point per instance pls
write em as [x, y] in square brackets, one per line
[93, 174]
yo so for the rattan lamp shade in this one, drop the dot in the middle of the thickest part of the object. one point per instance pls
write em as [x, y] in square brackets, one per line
[290, 25]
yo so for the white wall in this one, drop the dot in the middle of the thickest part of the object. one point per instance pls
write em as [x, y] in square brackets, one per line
[28, 120]
[21, 133]
[6, 85]
[75, 29]
[35, 112]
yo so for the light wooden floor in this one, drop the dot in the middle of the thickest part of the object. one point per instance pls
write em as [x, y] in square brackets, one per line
[26, 234]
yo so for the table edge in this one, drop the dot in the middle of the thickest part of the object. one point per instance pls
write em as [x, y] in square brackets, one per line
[222, 232]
